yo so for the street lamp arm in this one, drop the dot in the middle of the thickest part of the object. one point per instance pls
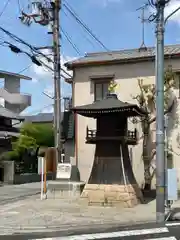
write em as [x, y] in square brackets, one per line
[47, 95]
[170, 15]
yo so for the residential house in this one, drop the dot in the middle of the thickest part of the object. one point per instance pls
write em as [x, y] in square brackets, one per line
[90, 81]
[7, 132]
[10, 92]
[14, 103]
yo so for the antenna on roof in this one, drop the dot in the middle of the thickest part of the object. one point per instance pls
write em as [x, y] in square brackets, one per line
[143, 20]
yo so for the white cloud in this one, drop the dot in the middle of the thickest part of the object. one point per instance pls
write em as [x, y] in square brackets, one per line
[170, 7]
[173, 5]
[42, 73]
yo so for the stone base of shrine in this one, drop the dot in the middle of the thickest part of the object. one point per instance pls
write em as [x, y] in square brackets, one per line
[112, 195]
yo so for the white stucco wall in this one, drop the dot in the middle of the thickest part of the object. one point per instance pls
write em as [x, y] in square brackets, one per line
[126, 76]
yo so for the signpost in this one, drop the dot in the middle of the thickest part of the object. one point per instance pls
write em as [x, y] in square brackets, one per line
[42, 171]
[64, 171]
[42, 177]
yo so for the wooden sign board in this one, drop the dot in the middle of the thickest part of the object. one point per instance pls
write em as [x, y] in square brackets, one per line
[63, 171]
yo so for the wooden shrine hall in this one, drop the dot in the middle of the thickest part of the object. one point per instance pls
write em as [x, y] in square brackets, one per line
[111, 181]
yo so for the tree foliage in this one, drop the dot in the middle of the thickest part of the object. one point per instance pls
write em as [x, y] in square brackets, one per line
[147, 96]
[42, 133]
[147, 100]
[31, 136]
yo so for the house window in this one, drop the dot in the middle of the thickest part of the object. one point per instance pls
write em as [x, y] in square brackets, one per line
[100, 90]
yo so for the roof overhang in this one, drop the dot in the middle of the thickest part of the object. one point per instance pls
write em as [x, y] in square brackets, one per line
[68, 80]
[110, 105]
[5, 113]
[5, 74]
[75, 64]
[6, 134]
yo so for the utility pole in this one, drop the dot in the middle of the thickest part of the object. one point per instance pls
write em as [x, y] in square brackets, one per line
[57, 78]
[44, 14]
[160, 144]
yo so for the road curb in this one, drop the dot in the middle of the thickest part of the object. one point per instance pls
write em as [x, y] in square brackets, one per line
[76, 228]
[21, 197]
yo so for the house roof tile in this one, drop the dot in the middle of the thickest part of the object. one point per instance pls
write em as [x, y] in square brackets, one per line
[123, 56]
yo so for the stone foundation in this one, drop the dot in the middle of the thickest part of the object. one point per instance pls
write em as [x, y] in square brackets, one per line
[64, 189]
[112, 195]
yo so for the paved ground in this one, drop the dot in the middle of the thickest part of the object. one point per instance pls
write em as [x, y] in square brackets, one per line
[33, 214]
[11, 193]
[137, 232]
[22, 214]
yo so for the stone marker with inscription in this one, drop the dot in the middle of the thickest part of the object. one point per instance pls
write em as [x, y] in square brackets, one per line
[64, 171]
[63, 186]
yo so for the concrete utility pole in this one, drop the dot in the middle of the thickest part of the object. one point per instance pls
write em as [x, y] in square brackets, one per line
[57, 77]
[160, 144]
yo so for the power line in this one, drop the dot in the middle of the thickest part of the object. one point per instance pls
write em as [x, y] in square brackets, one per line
[151, 3]
[32, 48]
[84, 25]
[26, 68]
[17, 39]
[4, 8]
[82, 33]
[19, 5]
[70, 41]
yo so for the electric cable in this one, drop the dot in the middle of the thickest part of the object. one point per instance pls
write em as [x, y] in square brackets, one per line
[26, 68]
[84, 25]
[32, 48]
[82, 33]
[69, 39]
[19, 5]
[151, 3]
[4, 8]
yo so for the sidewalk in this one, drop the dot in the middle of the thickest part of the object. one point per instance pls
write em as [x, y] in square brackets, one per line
[11, 193]
[33, 215]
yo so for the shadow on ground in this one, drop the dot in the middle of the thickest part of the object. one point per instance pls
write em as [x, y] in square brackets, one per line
[149, 195]
[174, 214]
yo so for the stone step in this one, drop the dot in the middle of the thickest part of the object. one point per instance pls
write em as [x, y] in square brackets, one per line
[64, 189]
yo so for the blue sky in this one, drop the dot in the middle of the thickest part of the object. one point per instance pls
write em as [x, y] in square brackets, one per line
[115, 22]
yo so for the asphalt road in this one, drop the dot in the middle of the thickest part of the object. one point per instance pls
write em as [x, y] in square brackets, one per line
[170, 231]
[11, 193]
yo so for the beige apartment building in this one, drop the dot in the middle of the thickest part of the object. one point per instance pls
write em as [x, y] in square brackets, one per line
[90, 81]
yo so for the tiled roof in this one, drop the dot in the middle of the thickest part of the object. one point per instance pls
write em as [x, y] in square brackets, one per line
[16, 75]
[123, 55]
[40, 117]
[109, 104]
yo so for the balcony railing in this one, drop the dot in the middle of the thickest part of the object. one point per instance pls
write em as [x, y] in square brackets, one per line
[130, 137]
